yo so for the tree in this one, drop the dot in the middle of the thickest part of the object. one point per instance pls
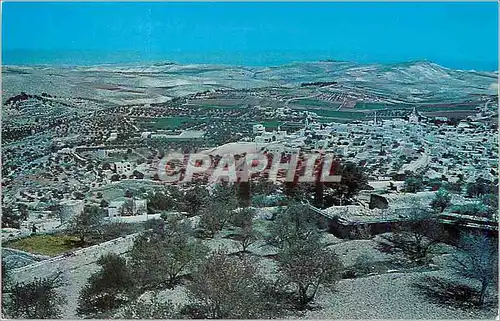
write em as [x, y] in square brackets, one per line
[307, 264]
[244, 193]
[413, 184]
[104, 203]
[87, 223]
[246, 234]
[479, 261]
[418, 233]
[491, 202]
[216, 214]
[129, 193]
[171, 250]
[243, 217]
[127, 208]
[481, 187]
[115, 229]
[10, 218]
[106, 289]
[38, 299]
[294, 222]
[227, 287]
[163, 200]
[193, 200]
[149, 309]
[441, 201]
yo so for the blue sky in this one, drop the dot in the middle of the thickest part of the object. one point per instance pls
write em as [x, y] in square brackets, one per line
[460, 35]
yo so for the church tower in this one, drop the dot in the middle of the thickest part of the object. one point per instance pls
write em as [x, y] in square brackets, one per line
[413, 118]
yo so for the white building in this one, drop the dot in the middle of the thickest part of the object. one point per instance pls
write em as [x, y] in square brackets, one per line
[413, 118]
[139, 207]
[258, 129]
[123, 168]
[112, 137]
[70, 209]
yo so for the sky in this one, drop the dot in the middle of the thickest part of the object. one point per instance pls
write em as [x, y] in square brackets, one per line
[459, 35]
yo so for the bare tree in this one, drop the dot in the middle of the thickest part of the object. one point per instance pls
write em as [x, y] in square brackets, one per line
[418, 233]
[227, 287]
[479, 261]
[246, 233]
[307, 264]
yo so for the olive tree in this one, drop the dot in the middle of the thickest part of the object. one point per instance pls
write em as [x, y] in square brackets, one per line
[86, 223]
[418, 233]
[478, 261]
[38, 299]
[227, 287]
[246, 233]
[108, 288]
[441, 200]
[307, 264]
[292, 223]
[159, 258]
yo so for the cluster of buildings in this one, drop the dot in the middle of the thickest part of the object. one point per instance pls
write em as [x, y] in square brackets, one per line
[386, 147]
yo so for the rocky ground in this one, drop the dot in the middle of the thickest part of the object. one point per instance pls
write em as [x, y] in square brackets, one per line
[385, 294]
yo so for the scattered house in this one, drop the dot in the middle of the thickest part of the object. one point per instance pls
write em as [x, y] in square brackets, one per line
[112, 137]
[258, 129]
[70, 209]
[122, 168]
[136, 207]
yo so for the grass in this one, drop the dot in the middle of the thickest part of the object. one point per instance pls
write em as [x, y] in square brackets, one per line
[220, 107]
[450, 109]
[314, 102]
[340, 114]
[370, 106]
[51, 245]
[167, 122]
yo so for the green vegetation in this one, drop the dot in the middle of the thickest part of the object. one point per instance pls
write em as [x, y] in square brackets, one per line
[413, 184]
[222, 107]
[473, 209]
[340, 114]
[167, 122]
[314, 102]
[327, 120]
[445, 108]
[441, 201]
[51, 245]
[370, 106]
[106, 289]
[38, 299]
[271, 123]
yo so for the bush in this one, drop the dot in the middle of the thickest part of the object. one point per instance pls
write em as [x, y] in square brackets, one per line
[473, 209]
